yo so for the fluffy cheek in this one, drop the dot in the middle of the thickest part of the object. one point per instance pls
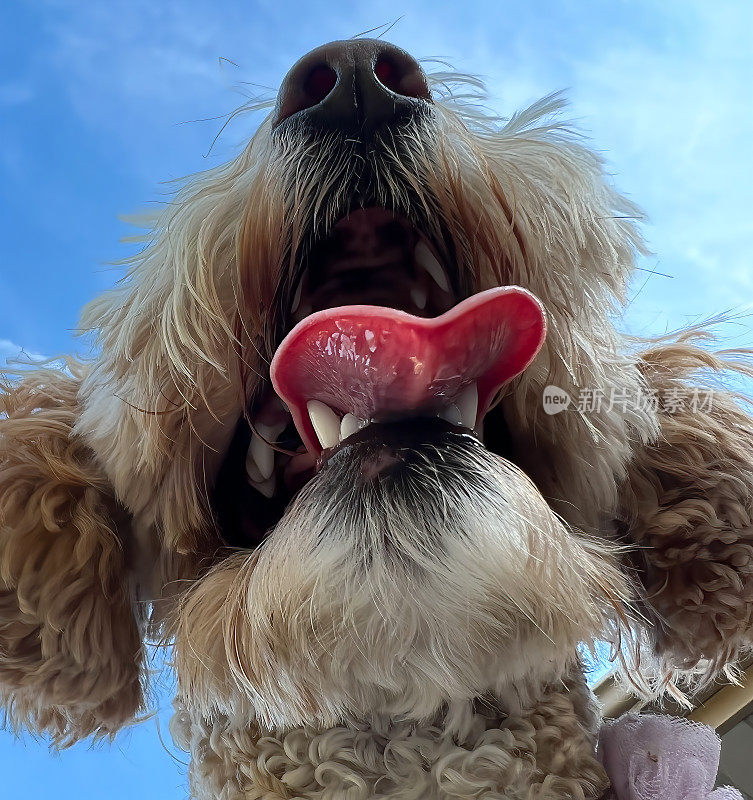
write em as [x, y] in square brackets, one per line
[395, 596]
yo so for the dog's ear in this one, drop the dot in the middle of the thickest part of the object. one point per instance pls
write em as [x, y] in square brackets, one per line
[70, 647]
[687, 506]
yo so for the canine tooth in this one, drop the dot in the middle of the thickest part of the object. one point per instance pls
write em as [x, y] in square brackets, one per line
[350, 424]
[326, 423]
[264, 456]
[451, 414]
[467, 403]
[418, 295]
[270, 433]
[267, 487]
[260, 451]
[252, 468]
[426, 259]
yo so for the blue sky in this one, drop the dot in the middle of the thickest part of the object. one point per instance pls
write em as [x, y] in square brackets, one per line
[97, 101]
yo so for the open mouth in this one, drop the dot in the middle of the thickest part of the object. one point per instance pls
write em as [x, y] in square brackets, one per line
[373, 256]
[377, 335]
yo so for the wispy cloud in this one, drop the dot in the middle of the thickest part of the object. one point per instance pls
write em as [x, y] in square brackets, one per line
[676, 113]
[10, 351]
[136, 71]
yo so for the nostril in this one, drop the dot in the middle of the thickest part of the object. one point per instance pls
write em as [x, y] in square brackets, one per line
[319, 82]
[402, 76]
[388, 74]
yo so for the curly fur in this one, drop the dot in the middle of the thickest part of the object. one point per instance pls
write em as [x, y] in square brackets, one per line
[542, 749]
[688, 504]
[70, 647]
[309, 668]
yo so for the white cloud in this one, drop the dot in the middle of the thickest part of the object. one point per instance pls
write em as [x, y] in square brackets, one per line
[11, 351]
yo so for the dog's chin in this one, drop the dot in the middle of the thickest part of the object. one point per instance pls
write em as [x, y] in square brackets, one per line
[416, 568]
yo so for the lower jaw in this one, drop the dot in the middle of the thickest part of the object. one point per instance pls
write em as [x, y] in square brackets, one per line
[395, 593]
[246, 515]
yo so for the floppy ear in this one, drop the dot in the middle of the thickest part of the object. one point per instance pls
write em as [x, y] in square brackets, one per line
[70, 648]
[688, 506]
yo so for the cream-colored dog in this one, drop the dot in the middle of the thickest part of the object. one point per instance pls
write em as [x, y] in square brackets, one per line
[391, 609]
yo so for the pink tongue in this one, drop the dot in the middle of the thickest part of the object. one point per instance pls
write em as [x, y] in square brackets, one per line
[378, 362]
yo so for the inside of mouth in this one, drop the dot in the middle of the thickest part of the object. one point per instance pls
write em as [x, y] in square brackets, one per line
[373, 256]
[379, 283]
[344, 367]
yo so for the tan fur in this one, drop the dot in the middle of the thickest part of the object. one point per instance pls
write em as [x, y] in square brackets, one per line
[299, 675]
[288, 634]
[540, 750]
[70, 649]
[688, 505]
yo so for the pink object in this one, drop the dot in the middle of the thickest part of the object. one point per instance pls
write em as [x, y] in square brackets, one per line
[374, 362]
[653, 757]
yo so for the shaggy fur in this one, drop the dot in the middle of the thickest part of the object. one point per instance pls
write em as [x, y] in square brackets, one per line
[319, 651]
[323, 664]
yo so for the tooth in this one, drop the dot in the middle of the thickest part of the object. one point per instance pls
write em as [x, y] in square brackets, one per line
[350, 424]
[426, 259]
[270, 433]
[297, 297]
[418, 295]
[267, 487]
[263, 455]
[260, 459]
[326, 423]
[252, 468]
[451, 414]
[467, 403]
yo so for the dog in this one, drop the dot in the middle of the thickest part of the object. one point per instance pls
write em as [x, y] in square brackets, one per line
[311, 453]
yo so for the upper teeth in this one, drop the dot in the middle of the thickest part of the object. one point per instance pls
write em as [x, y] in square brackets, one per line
[302, 311]
[426, 259]
[418, 295]
[260, 458]
[297, 297]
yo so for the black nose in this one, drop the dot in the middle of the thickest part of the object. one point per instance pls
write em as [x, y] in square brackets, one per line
[355, 86]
